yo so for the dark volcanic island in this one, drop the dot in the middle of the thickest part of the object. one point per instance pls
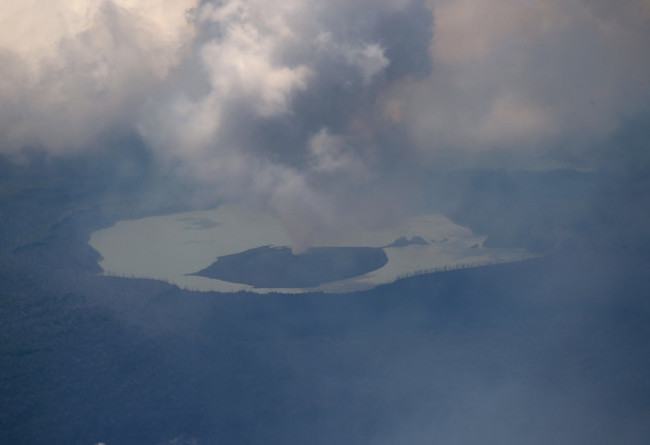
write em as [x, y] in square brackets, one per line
[278, 267]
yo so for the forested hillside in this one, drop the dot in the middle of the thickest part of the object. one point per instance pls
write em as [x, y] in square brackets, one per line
[548, 350]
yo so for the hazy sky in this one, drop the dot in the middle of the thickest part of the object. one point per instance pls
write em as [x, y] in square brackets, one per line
[314, 109]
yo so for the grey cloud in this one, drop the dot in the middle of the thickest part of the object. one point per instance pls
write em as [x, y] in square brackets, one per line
[276, 78]
[238, 92]
[525, 77]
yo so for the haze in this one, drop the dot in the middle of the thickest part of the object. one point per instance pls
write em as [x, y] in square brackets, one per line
[514, 129]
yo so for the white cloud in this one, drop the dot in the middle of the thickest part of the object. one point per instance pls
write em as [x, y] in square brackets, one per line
[73, 69]
[368, 58]
[328, 154]
[241, 66]
[255, 58]
[237, 90]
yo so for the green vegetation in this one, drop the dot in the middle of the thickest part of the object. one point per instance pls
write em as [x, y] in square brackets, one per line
[86, 358]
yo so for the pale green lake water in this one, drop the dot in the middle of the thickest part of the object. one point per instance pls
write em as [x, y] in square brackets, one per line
[170, 246]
